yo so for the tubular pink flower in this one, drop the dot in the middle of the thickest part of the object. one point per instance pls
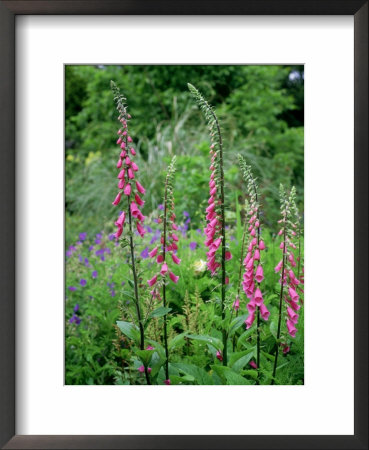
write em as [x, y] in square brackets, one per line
[292, 315]
[164, 268]
[261, 245]
[119, 232]
[293, 294]
[153, 252]
[141, 230]
[119, 164]
[139, 200]
[130, 174]
[167, 382]
[121, 220]
[152, 281]
[173, 277]
[228, 255]
[278, 267]
[128, 161]
[160, 258]
[259, 275]
[175, 258]
[257, 255]
[127, 189]
[219, 355]
[251, 306]
[117, 199]
[174, 237]
[129, 139]
[236, 304]
[291, 328]
[258, 297]
[133, 151]
[250, 320]
[253, 364]
[140, 188]
[264, 312]
[134, 167]
[121, 174]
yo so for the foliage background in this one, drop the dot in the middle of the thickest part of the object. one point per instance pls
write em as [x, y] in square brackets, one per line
[261, 110]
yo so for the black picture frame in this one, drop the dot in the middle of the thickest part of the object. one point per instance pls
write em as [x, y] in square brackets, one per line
[8, 11]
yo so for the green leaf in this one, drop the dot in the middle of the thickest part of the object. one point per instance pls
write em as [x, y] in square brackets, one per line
[160, 312]
[229, 376]
[145, 356]
[215, 342]
[177, 340]
[237, 323]
[200, 375]
[273, 328]
[239, 360]
[130, 330]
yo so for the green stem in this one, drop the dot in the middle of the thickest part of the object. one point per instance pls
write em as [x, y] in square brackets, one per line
[164, 285]
[280, 303]
[138, 310]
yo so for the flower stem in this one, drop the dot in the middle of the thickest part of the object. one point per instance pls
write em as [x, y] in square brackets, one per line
[137, 303]
[280, 302]
[164, 284]
[224, 331]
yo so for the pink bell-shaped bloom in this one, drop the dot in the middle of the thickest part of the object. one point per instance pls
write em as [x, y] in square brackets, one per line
[291, 328]
[141, 369]
[175, 258]
[236, 304]
[139, 200]
[119, 141]
[251, 306]
[167, 382]
[127, 189]
[253, 364]
[121, 174]
[173, 277]
[129, 139]
[292, 315]
[121, 184]
[119, 163]
[128, 161]
[174, 226]
[133, 151]
[257, 224]
[257, 255]
[119, 232]
[250, 264]
[219, 355]
[174, 237]
[164, 269]
[124, 133]
[259, 275]
[174, 246]
[152, 281]
[123, 154]
[249, 321]
[153, 252]
[121, 219]
[253, 232]
[134, 167]
[140, 188]
[278, 267]
[264, 312]
[130, 174]
[160, 258]
[141, 230]
[228, 255]
[286, 349]
[117, 199]
[258, 297]
[293, 294]
[261, 245]
[123, 145]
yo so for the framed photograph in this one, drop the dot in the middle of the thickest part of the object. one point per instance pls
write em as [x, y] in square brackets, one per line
[185, 223]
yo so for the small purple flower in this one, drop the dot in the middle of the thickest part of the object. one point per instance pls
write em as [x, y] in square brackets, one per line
[69, 253]
[90, 248]
[123, 283]
[193, 245]
[186, 214]
[79, 243]
[72, 288]
[86, 262]
[112, 293]
[161, 207]
[72, 248]
[76, 307]
[145, 253]
[82, 236]
[75, 319]
[99, 235]
[233, 238]
[97, 241]
[94, 274]
[199, 231]
[149, 229]
[102, 258]
[83, 282]
[188, 221]
[111, 236]
[80, 258]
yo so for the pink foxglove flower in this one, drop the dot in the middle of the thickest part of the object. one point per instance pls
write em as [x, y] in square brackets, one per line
[117, 199]
[219, 355]
[173, 277]
[152, 281]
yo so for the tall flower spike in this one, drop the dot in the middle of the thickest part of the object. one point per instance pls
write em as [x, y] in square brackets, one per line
[215, 214]
[169, 246]
[254, 274]
[132, 211]
[289, 298]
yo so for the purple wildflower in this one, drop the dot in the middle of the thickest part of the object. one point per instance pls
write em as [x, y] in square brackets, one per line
[94, 274]
[145, 253]
[111, 236]
[83, 282]
[186, 214]
[76, 307]
[72, 288]
[82, 236]
[80, 258]
[161, 207]
[112, 293]
[193, 245]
